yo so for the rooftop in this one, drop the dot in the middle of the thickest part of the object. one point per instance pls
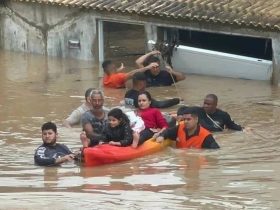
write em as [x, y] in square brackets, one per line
[264, 14]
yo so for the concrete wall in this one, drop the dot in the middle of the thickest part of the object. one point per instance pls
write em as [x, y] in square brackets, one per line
[46, 29]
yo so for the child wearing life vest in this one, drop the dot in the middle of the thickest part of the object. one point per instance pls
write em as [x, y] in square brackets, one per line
[154, 121]
[188, 133]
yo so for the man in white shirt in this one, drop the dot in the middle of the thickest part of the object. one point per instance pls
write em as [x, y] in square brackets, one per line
[75, 117]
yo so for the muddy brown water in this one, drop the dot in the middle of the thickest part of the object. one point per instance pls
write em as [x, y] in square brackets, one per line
[243, 174]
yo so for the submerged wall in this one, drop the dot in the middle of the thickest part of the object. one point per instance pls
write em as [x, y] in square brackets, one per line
[46, 29]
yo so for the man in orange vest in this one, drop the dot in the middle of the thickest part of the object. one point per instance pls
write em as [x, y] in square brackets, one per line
[188, 133]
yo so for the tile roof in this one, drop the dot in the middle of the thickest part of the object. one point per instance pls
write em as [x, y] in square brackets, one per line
[263, 14]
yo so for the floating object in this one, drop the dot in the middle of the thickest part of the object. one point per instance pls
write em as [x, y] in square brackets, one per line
[193, 60]
[106, 154]
[271, 103]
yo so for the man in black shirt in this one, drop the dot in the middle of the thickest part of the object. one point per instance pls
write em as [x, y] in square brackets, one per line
[156, 76]
[139, 85]
[212, 118]
[51, 153]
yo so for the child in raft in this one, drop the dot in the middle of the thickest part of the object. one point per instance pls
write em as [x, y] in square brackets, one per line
[118, 131]
[154, 122]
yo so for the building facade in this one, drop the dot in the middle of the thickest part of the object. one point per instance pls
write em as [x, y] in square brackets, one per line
[74, 28]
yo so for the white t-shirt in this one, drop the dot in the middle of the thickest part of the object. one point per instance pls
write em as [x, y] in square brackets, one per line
[136, 122]
[75, 117]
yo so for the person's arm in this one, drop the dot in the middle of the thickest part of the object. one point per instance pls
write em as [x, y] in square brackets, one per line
[165, 103]
[230, 124]
[66, 124]
[121, 68]
[87, 127]
[41, 159]
[178, 76]
[140, 61]
[210, 143]
[128, 137]
[86, 124]
[160, 120]
[73, 119]
[169, 133]
[64, 159]
[130, 74]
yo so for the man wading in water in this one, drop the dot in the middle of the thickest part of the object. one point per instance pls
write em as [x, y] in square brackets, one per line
[156, 76]
[75, 117]
[51, 153]
[212, 118]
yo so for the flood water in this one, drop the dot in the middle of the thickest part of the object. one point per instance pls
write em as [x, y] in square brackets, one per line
[243, 174]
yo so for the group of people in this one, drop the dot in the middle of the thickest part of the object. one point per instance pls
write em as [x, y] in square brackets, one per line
[191, 127]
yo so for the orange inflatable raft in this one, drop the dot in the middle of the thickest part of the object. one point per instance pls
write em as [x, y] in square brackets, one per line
[106, 154]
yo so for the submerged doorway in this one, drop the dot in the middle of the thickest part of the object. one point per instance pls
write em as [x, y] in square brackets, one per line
[123, 42]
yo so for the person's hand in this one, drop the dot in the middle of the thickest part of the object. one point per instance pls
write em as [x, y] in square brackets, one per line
[121, 68]
[83, 135]
[156, 135]
[67, 158]
[122, 103]
[155, 52]
[159, 139]
[84, 139]
[113, 143]
[77, 153]
[169, 69]
[155, 130]
[152, 65]
[247, 130]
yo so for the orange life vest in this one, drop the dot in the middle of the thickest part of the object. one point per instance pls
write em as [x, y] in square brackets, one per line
[192, 142]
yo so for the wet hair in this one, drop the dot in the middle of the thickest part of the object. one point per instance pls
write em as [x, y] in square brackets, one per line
[88, 91]
[180, 110]
[105, 65]
[49, 126]
[96, 92]
[139, 76]
[187, 110]
[147, 94]
[118, 114]
[213, 96]
[151, 59]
